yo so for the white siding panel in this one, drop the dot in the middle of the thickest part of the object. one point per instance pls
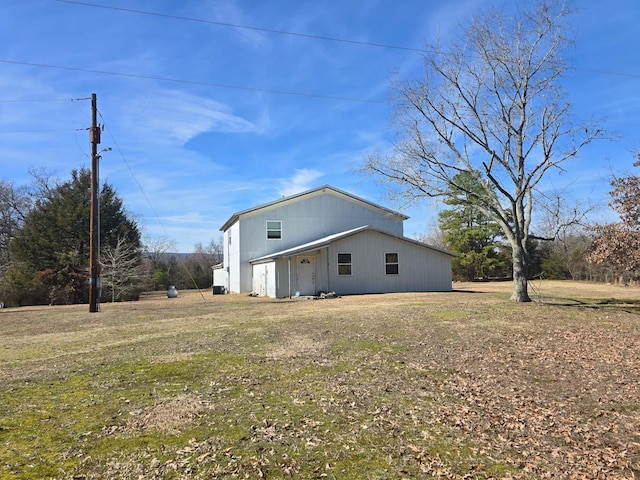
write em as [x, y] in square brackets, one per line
[264, 279]
[322, 271]
[220, 278]
[232, 257]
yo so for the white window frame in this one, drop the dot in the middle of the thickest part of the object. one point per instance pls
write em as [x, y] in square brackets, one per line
[273, 229]
[350, 264]
[387, 263]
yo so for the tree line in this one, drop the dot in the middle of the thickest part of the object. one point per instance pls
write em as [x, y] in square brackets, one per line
[44, 246]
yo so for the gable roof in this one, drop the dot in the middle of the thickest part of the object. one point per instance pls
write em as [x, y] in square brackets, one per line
[325, 241]
[234, 218]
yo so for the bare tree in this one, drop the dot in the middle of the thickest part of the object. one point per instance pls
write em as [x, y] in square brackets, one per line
[43, 181]
[196, 266]
[14, 206]
[157, 261]
[155, 248]
[434, 237]
[489, 105]
[216, 249]
[121, 269]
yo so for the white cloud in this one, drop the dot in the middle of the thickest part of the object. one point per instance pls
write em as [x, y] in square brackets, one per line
[174, 118]
[303, 179]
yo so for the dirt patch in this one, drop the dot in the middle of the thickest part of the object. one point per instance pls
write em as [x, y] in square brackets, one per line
[297, 346]
[168, 416]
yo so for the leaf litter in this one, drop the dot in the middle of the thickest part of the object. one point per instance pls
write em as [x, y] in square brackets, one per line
[405, 386]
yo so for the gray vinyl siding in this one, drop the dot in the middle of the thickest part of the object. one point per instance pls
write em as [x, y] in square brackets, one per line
[283, 289]
[303, 220]
[310, 218]
[420, 269]
[341, 218]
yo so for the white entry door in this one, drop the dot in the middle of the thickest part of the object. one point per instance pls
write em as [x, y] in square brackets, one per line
[306, 270]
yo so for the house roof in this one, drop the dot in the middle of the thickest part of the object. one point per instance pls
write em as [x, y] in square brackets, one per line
[325, 241]
[234, 218]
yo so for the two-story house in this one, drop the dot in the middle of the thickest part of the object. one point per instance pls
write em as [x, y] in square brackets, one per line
[326, 240]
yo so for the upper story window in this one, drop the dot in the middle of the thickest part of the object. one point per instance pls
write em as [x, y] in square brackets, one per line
[274, 229]
[391, 263]
[344, 264]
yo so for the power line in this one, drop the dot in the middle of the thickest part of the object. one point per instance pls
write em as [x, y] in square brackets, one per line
[248, 27]
[124, 159]
[604, 72]
[37, 100]
[184, 265]
[42, 100]
[43, 131]
[310, 35]
[192, 82]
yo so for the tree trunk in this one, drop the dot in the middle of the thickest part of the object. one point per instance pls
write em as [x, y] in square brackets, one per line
[520, 285]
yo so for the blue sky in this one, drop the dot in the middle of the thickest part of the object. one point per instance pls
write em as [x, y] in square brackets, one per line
[188, 150]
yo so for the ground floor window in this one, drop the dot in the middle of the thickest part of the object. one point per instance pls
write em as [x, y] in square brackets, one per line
[344, 264]
[391, 263]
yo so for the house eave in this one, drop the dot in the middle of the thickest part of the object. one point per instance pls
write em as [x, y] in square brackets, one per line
[328, 240]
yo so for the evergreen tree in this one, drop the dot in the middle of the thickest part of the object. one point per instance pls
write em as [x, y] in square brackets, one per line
[52, 249]
[472, 235]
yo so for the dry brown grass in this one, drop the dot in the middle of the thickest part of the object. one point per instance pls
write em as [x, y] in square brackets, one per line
[432, 385]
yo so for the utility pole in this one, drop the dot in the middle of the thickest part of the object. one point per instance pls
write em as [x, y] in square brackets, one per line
[94, 237]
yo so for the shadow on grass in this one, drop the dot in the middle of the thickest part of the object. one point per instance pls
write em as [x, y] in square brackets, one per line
[625, 305]
[455, 290]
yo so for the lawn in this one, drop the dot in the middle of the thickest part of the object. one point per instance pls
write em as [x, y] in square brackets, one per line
[463, 384]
